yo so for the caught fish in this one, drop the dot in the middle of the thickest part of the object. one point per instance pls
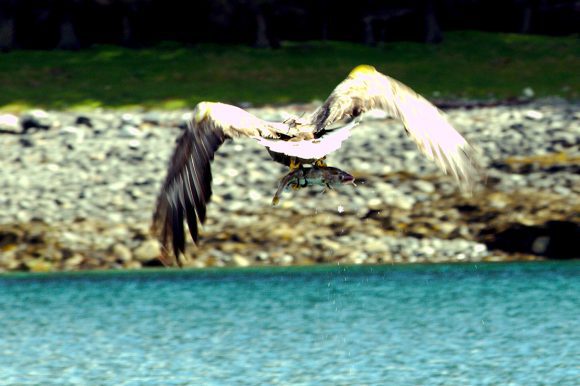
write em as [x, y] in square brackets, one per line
[312, 176]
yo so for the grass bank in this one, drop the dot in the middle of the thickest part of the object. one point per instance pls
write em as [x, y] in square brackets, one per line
[466, 65]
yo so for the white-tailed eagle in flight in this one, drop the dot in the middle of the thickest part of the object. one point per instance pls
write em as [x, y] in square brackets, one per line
[300, 141]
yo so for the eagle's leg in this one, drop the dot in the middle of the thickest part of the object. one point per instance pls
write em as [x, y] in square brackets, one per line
[320, 163]
[299, 185]
[294, 164]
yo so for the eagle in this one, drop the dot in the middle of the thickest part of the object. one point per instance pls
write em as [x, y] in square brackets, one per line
[298, 141]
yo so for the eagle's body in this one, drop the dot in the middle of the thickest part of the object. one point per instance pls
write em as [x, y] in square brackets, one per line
[187, 188]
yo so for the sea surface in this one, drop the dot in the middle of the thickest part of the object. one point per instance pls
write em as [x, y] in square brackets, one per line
[469, 324]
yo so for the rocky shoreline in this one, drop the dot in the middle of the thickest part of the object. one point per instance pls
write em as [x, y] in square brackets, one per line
[77, 190]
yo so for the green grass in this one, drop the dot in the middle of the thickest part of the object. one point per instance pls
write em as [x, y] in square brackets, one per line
[466, 65]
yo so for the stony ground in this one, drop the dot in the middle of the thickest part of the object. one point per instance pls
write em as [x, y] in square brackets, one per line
[77, 191]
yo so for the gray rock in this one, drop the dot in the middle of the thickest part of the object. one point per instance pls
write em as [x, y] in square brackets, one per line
[528, 92]
[73, 133]
[123, 253]
[424, 186]
[240, 261]
[147, 251]
[36, 119]
[9, 123]
[129, 131]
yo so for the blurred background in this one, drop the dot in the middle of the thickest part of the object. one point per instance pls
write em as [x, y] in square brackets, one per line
[75, 24]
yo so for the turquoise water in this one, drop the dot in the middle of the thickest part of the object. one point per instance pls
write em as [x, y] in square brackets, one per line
[496, 324]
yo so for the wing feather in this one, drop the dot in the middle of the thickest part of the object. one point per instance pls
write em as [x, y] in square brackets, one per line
[187, 189]
[426, 125]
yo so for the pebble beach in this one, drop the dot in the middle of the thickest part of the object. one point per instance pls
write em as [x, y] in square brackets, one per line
[78, 188]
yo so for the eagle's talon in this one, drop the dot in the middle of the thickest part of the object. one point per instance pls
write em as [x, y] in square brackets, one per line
[320, 163]
[294, 165]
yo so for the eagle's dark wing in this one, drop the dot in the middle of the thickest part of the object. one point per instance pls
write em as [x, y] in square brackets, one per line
[367, 89]
[187, 187]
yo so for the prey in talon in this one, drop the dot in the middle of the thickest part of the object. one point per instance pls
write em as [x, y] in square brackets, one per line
[312, 176]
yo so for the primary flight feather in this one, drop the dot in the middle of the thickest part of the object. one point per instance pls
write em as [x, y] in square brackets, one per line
[294, 142]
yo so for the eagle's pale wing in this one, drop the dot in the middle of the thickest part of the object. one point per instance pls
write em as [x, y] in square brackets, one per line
[436, 138]
[367, 89]
[187, 187]
[310, 148]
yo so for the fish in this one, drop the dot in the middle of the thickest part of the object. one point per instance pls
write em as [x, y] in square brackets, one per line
[312, 176]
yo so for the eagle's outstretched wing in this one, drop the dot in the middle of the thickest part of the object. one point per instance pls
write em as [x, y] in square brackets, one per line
[187, 187]
[366, 89]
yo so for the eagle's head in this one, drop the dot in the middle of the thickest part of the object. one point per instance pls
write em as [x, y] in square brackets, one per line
[362, 69]
[202, 110]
